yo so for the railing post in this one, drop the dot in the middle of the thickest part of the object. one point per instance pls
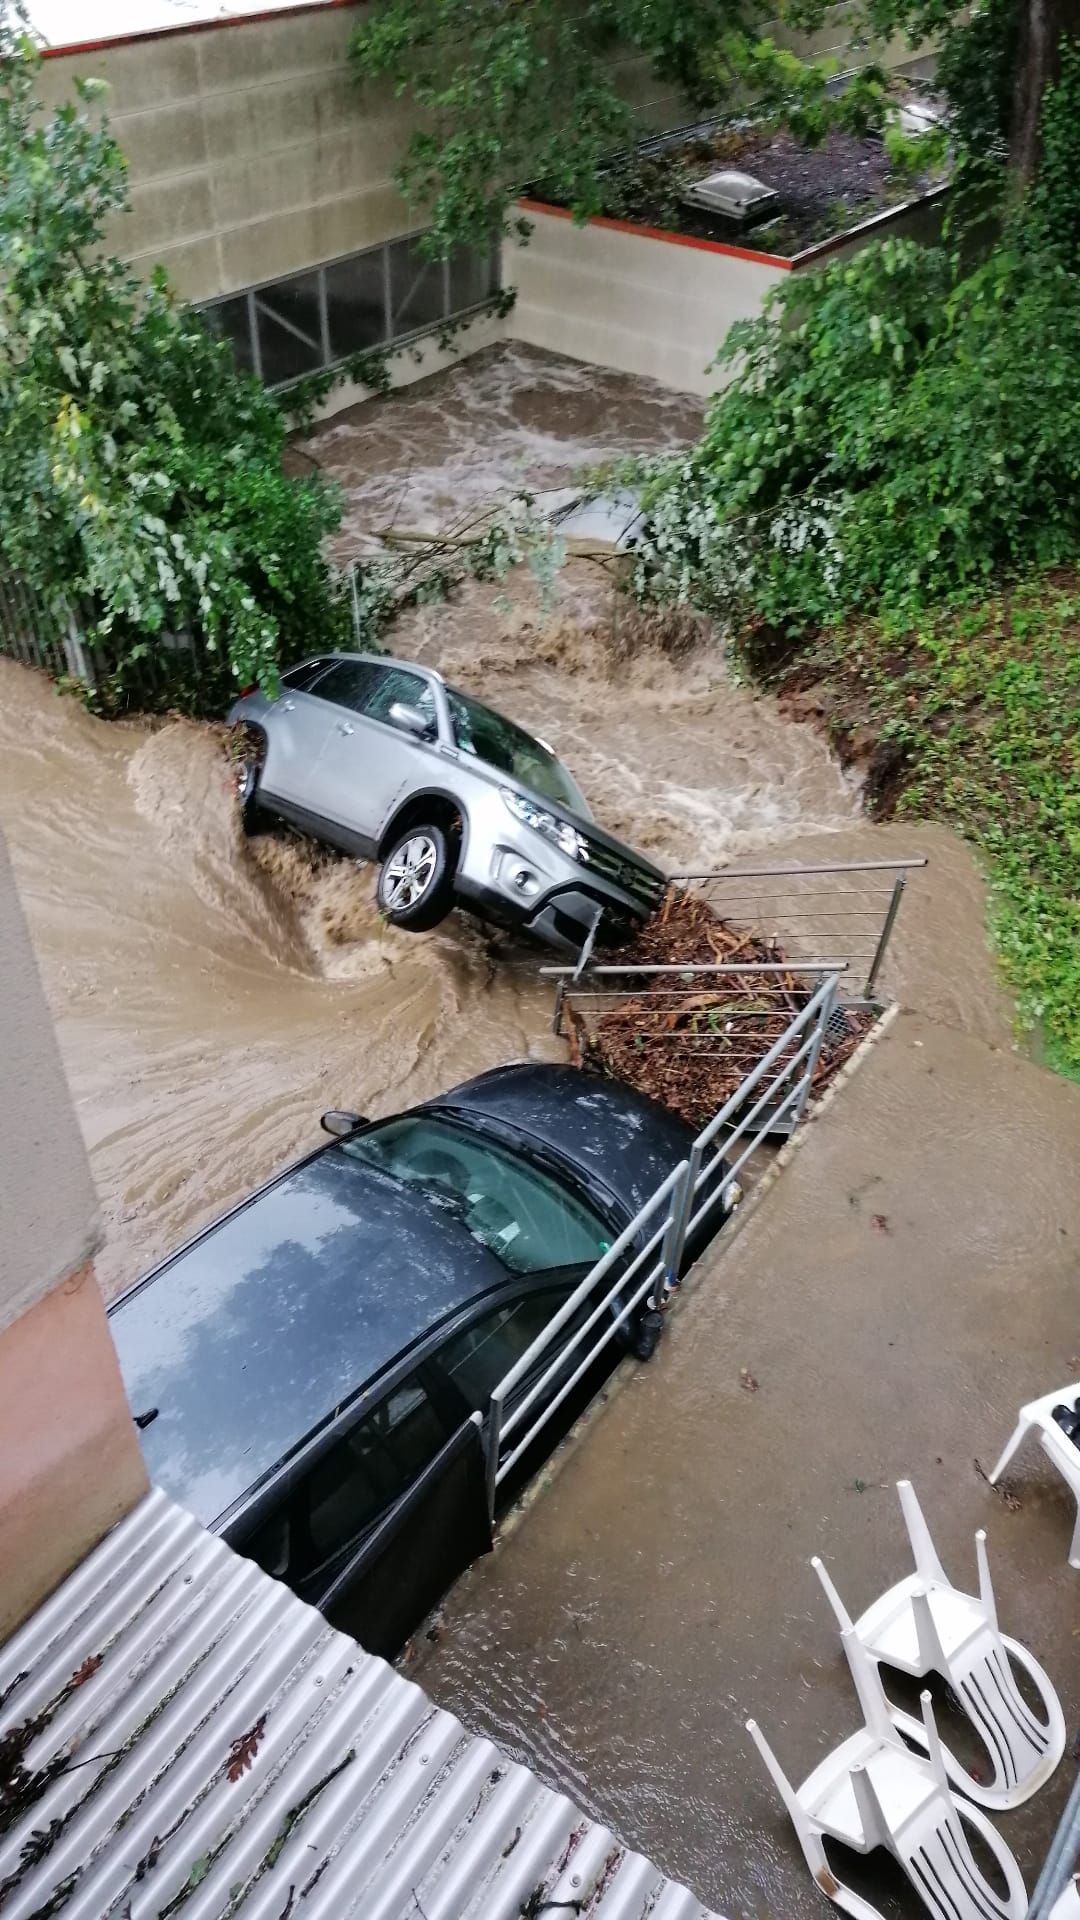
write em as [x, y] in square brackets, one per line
[824, 1015]
[674, 1237]
[886, 934]
[494, 1441]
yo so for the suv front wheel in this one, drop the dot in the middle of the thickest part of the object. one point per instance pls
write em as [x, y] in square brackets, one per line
[416, 880]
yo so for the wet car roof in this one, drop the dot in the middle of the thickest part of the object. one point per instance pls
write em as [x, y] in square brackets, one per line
[252, 1335]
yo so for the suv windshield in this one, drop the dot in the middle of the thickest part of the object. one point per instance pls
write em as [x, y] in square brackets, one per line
[479, 730]
[521, 1215]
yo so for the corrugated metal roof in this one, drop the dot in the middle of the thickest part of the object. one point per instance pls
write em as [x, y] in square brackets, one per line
[193, 1741]
[65, 25]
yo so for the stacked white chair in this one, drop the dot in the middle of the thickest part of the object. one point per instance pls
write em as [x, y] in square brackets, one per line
[875, 1790]
[925, 1625]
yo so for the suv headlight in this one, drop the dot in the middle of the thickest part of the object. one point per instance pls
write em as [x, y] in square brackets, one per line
[565, 837]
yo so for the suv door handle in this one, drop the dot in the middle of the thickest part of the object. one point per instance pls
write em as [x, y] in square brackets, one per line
[344, 727]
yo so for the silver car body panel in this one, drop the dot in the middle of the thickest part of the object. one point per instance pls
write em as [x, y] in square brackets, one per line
[346, 777]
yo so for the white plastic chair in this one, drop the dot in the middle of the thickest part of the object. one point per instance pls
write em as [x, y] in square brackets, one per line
[1038, 1417]
[873, 1791]
[925, 1625]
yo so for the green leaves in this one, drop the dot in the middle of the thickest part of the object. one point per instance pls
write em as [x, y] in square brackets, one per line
[529, 94]
[140, 472]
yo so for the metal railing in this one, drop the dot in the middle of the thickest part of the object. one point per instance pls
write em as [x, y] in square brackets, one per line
[721, 1016]
[847, 907]
[643, 1265]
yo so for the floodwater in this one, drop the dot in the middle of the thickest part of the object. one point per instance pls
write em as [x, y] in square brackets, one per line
[212, 996]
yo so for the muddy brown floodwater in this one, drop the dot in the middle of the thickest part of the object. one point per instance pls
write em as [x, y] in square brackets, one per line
[213, 996]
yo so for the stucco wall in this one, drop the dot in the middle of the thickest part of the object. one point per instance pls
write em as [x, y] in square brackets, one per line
[252, 154]
[70, 1464]
[654, 306]
[48, 1207]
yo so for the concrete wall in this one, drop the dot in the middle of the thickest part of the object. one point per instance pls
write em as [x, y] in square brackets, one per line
[651, 304]
[70, 1464]
[252, 153]
[48, 1208]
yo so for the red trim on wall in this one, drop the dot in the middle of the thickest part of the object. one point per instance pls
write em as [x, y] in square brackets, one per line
[657, 233]
[194, 26]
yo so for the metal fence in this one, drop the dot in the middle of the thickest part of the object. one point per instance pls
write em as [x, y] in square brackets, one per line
[846, 907]
[39, 635]
[644, 1263]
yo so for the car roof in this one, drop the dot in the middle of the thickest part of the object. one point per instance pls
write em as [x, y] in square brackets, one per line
[375, 660]
[252, 1335]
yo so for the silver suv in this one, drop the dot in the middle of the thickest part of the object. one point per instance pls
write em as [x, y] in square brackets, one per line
[383, 760]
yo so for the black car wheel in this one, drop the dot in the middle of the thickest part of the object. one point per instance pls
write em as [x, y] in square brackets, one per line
[416, 880]
[247, 788]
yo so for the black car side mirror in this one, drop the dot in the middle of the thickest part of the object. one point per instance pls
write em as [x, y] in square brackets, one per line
[339, 1122]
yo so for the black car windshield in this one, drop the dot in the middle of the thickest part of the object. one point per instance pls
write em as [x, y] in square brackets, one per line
[508, 748]
[519, 1213]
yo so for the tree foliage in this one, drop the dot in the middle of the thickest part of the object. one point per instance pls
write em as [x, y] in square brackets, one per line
[140, 471]
[894, 431]
[530, 95]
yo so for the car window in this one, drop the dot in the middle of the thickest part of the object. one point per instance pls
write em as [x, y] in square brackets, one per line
[477, 1359]
[348, 683]
[392, 684]
[524, 1216]
[303, 678]
[508, 748]
[372, 1466]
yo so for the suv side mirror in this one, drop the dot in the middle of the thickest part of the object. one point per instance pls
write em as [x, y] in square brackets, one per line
[339, 1122]
[410, 720]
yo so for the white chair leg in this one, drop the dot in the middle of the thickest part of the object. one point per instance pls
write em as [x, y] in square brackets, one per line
[809, 1836]
[1074, 1550]
[934, 1749]
[930, 1649]
[843, 1616]
[872, 1697]
[986, 1585]
[927, 1565]
[874, 1824]
[1020, 1434]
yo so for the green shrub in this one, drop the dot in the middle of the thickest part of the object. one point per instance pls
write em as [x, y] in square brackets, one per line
[140, 471]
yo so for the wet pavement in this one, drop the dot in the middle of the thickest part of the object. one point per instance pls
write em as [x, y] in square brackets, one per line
[908, 1281]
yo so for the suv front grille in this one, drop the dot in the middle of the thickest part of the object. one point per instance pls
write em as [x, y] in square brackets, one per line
[624, 872]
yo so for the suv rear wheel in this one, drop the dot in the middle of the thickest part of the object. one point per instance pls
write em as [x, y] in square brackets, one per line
[416, 880]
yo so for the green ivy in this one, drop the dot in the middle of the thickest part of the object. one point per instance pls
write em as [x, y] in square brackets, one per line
[140, 471]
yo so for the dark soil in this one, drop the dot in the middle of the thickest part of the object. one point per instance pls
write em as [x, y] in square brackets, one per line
[823, 190]
[689, 1040]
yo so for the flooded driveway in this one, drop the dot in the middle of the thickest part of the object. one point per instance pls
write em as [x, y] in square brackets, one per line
[213, 997]
[909, 1282]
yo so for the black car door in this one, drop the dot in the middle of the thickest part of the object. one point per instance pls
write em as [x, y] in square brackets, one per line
[384, 1520]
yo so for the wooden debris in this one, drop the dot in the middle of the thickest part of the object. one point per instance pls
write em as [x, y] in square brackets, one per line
[689, 1042]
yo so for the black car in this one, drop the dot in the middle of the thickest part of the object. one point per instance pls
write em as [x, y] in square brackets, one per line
[309, 1374]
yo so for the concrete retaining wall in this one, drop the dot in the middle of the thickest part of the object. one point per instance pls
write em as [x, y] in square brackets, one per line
[620, 296]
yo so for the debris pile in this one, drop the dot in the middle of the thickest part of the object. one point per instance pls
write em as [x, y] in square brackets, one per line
[689, 1039]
